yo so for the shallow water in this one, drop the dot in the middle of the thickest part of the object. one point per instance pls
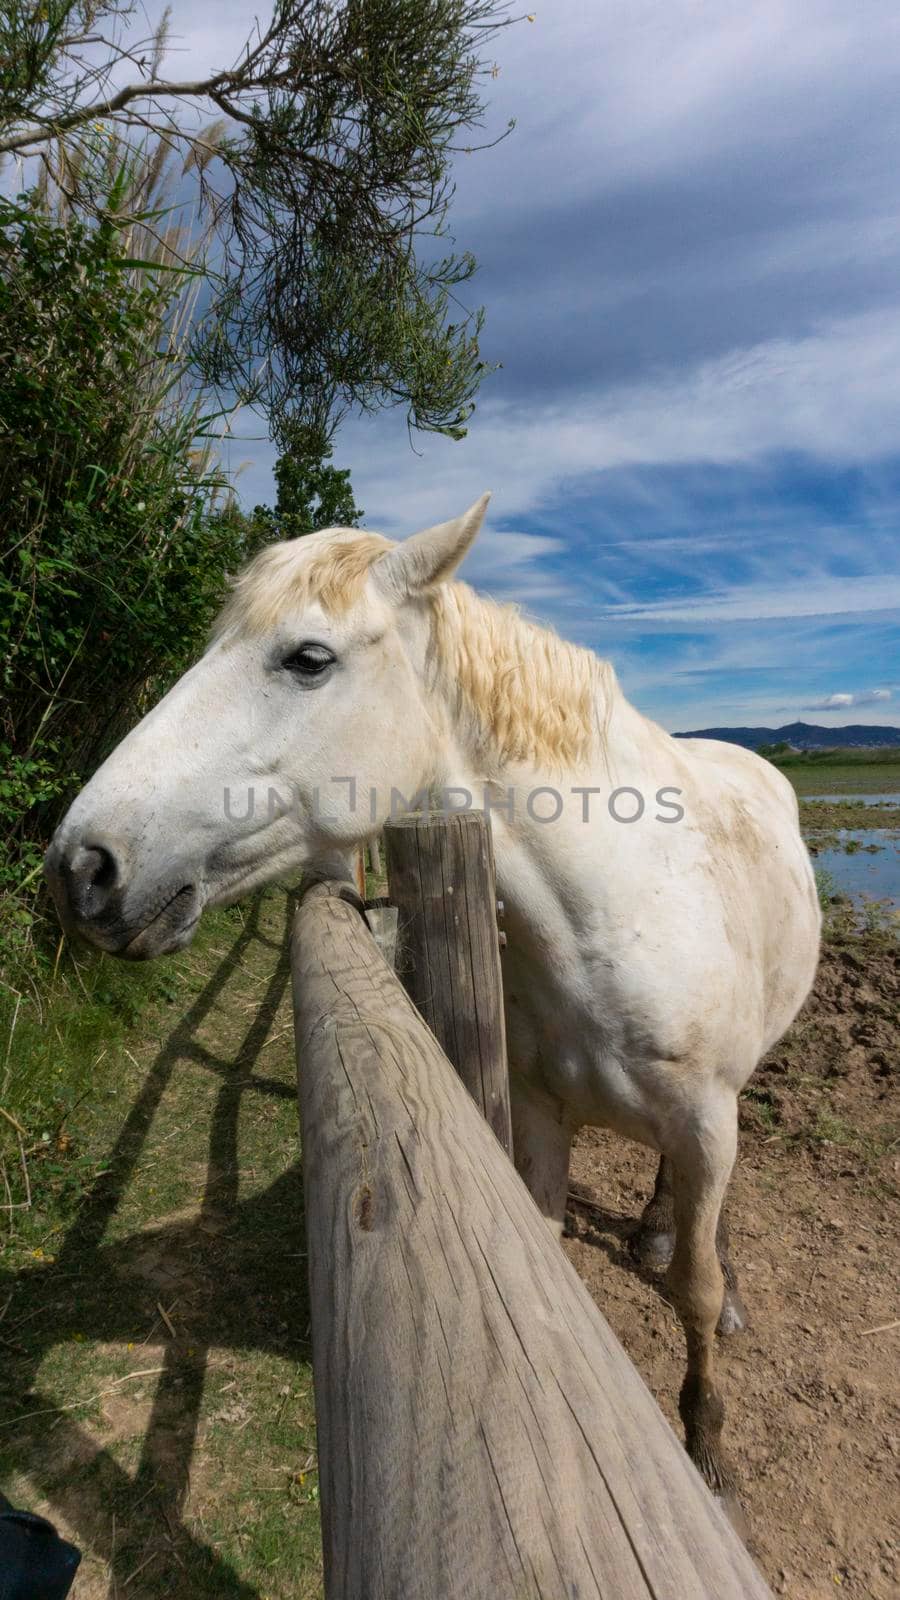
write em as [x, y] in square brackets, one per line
[864, 876]
[852, 799]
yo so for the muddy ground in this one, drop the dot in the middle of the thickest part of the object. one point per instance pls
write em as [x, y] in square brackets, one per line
[812, 1388]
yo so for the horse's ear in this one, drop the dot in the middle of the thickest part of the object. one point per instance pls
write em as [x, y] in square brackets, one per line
[430, 557]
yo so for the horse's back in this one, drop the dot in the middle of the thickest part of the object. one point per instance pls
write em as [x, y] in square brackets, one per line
[733, 762]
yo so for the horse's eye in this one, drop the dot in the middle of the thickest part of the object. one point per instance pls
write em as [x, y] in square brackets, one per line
[309, 660]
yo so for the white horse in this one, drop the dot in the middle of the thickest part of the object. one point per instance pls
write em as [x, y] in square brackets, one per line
[650, 962]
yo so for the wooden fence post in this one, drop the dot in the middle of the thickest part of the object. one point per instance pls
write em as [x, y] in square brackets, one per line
[482, 1435]
[441, 879]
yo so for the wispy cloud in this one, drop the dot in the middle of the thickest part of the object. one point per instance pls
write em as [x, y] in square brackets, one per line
[842, 702]
[827, 596]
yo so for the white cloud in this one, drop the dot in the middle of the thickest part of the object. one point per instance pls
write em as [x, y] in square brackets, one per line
[822, 596]
[833, 395]
[502, 563]
[836, 702]
[644, 88]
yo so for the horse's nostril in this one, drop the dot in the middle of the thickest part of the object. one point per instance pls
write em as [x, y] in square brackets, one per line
[92, 872]
[105, 872]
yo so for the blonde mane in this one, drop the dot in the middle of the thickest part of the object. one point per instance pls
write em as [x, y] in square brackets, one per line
[532, 696]
[526, 694]
[334, 572]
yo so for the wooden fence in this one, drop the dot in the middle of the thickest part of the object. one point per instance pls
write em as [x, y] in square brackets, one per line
[482, 1435]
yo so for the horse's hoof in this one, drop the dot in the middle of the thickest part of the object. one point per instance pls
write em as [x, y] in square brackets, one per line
[733, 1316]
[652, 1250]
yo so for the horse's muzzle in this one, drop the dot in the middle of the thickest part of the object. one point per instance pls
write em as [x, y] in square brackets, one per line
[97, 897]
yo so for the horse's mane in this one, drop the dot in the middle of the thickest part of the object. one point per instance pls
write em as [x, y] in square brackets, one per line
[527, 695]
[533, 696]
[331, 567]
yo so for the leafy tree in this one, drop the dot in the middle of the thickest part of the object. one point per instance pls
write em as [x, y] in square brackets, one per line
[326, 167]
[311, 492]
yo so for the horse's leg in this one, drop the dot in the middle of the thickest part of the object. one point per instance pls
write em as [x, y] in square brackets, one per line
[701, 1158]
[733, 1316]
[654, 1242]
[542, 1141]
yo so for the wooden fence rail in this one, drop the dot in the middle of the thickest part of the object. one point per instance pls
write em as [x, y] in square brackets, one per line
[482, 1435]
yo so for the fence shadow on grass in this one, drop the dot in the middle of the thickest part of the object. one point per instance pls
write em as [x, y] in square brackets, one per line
[240, 1297]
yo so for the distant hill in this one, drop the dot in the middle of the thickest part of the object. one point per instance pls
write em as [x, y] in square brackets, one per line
[804, 736]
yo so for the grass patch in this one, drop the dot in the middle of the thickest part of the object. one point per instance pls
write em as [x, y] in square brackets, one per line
[797, 1117]
[63, 1036]
[844, 922]
[156, 1382]
[759, 1105]
[842, 771]
[869, 1145]
[818, 814]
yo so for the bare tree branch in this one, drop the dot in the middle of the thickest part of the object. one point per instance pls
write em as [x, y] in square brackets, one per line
[99, 110]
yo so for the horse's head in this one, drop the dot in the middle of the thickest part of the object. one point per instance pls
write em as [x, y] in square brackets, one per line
[267, 753]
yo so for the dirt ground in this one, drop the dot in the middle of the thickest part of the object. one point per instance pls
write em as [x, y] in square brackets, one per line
[812, 1389]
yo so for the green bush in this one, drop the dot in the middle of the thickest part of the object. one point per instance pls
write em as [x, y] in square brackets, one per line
[113, 554]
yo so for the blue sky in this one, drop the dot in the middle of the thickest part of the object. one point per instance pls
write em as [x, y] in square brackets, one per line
[690, 261]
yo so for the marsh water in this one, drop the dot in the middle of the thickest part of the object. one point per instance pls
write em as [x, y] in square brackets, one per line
[871, 871]
[855, 799]
[863, 863]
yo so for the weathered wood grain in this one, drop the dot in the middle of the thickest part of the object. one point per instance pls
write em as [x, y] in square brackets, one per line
[482, 1435]
[441, 879]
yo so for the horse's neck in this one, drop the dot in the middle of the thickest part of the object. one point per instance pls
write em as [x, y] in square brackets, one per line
[530, 714]
[517, 696]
